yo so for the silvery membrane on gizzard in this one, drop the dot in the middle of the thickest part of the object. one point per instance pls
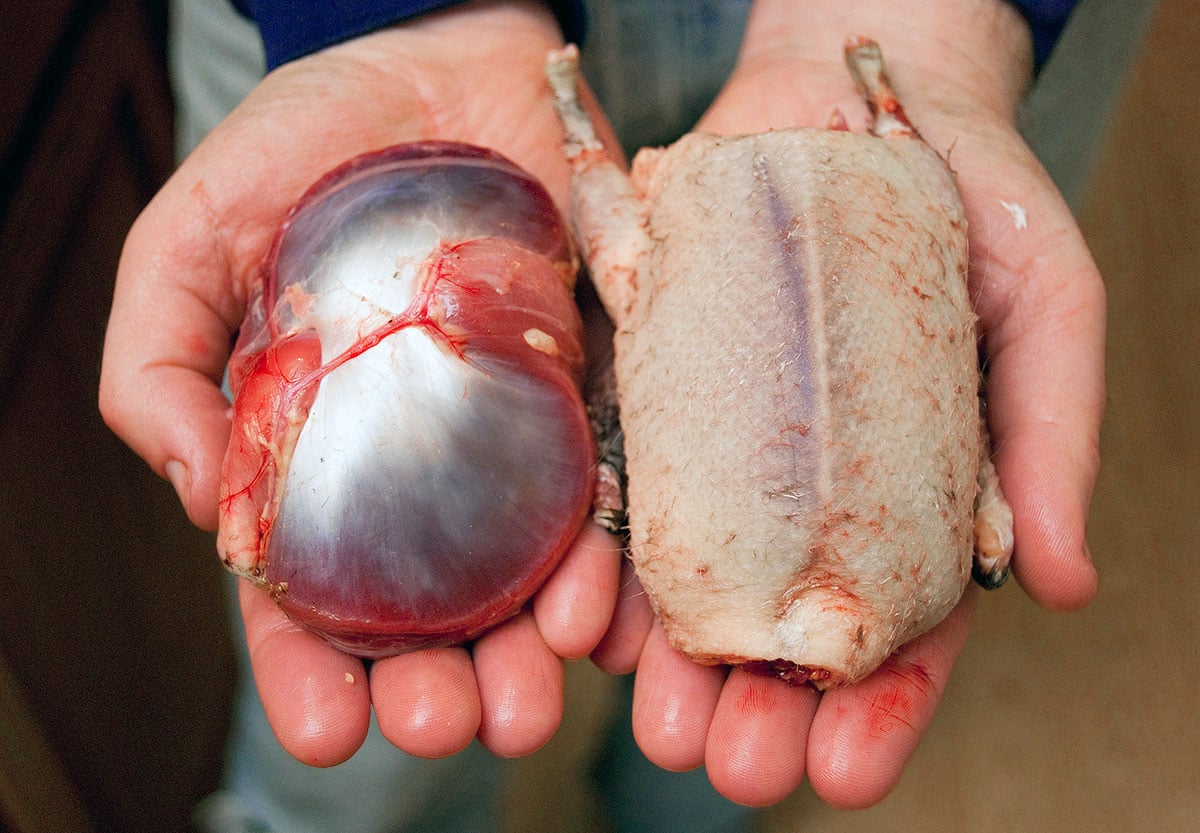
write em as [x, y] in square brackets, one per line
[410, 455]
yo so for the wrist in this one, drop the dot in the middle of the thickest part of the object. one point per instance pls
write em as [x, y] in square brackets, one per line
[471, 73]
[424, 68]
[943, 53]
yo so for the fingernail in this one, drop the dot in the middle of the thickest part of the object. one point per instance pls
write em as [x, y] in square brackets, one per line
[180, 478]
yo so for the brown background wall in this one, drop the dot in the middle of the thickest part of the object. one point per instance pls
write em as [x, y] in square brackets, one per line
[114, 665]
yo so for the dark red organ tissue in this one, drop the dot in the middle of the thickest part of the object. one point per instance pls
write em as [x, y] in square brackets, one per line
[410, 455]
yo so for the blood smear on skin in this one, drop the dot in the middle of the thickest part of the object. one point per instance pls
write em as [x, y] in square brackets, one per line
[758, 697]
[904, 686]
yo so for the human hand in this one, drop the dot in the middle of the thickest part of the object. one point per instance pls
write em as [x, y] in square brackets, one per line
[472, 74]
[959, 68]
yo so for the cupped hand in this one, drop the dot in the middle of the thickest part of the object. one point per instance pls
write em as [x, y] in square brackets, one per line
[959, 68]
[471, 74]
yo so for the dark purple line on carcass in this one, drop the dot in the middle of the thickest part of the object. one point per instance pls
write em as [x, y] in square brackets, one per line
[799, 381]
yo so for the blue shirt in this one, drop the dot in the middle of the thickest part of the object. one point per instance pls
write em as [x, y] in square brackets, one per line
[294, 28]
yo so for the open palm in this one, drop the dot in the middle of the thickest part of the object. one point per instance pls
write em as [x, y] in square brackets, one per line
[1041, 319]
[472, 75]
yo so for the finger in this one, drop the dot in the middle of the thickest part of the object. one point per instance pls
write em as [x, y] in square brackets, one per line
[621, 645]
[520, 688]
[1042, 311]
[427, 702]
[1051, 559]
[755, 752]
[574, 607]
[165, 351]
[864, 734]
[316, 698]
[674, 700]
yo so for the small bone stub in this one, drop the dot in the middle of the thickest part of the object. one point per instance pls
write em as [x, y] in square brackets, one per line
[796, 373]
[404, 470]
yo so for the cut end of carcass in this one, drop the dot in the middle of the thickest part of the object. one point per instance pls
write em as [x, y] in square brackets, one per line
[865, 61]
[792, 673]
[562, 72]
